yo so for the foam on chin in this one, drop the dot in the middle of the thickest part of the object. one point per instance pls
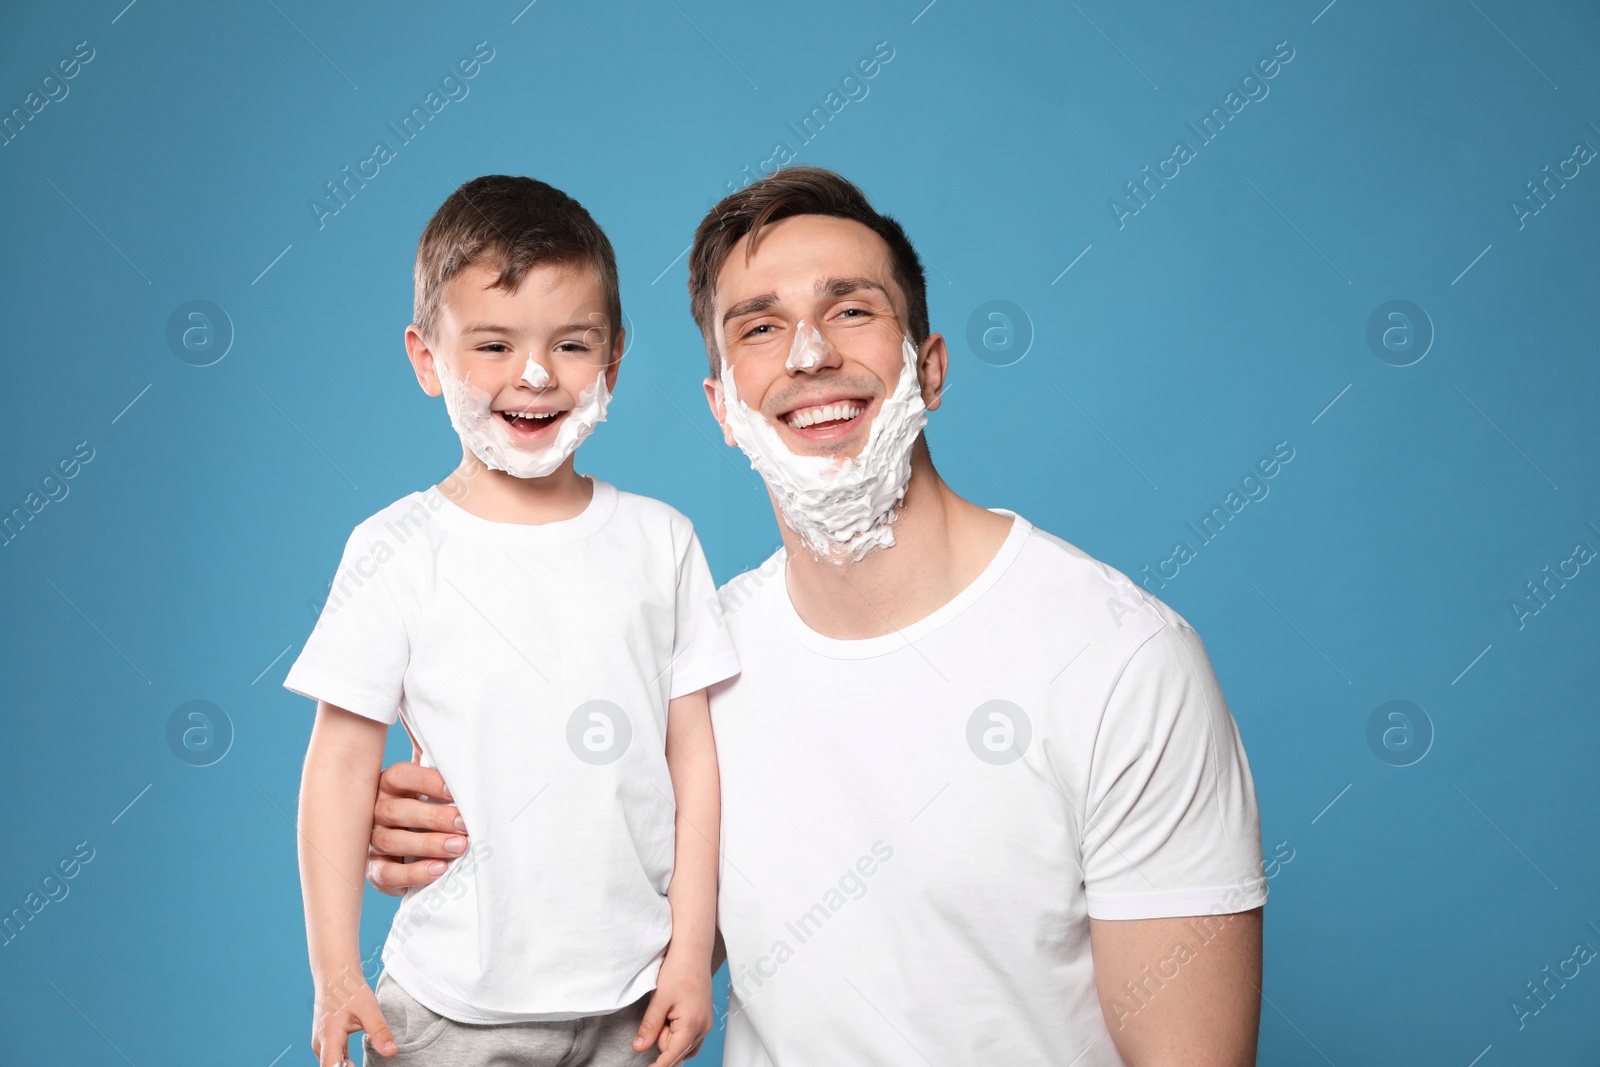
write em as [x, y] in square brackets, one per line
[488, 437]
[841, 507]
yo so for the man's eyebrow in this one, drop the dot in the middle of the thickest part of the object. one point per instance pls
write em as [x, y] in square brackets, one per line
[846, 286]
[747, 307]
[824, 287]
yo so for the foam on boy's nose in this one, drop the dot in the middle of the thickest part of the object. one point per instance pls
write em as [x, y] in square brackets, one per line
[809, 348]
[535, 375]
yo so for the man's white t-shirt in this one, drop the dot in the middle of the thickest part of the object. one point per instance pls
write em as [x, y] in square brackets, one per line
[533, 664]
[917, 827]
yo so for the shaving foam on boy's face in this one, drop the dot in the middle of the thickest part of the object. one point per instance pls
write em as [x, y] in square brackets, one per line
[524, 441]
[524, 379]
[842, 506]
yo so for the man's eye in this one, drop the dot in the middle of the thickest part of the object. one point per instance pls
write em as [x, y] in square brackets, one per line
[854, 311]
[758, 330]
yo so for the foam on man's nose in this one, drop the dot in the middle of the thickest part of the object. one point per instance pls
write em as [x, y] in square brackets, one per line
[810, 348]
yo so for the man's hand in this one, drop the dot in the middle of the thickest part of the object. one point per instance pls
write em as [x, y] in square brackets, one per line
[405, 825]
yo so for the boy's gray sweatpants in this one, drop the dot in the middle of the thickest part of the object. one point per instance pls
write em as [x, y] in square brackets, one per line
[427, 1039]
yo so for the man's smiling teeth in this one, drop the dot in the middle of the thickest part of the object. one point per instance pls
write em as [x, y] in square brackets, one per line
[843, 409]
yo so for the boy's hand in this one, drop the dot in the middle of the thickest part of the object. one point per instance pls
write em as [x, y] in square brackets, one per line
[343, 1011]
[679, 1015]
[403, 825]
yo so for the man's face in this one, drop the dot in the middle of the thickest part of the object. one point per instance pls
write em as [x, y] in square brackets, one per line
[488, 336]
[834, 275]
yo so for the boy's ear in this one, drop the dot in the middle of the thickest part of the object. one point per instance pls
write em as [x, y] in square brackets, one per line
[715, 400]
[421, 357]
[618, 347]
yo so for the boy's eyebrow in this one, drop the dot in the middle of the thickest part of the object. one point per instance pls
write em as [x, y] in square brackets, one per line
[579, 327]
[490, 327]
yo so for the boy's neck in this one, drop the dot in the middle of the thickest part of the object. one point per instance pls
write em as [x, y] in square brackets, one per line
[942, 542]
[501, 497]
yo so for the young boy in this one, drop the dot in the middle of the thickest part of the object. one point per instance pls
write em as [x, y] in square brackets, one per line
[547, 640]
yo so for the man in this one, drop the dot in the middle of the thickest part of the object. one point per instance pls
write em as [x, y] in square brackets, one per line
[983, 801]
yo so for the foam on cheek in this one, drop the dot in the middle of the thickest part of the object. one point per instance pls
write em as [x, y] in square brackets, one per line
[842, 507]
[810, 348]
[469, 412]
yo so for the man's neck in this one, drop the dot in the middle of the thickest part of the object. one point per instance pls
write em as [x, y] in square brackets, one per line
[501, 497]
[942, 542]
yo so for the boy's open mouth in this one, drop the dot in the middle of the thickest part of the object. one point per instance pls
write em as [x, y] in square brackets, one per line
[530, 424]
[827, 420]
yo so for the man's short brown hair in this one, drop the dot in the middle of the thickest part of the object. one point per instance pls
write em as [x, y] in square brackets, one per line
[795, 191]
[510, 224]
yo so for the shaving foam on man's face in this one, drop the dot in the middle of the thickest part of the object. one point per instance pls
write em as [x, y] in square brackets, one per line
[523, 374]
[830, 403]
[842, 506]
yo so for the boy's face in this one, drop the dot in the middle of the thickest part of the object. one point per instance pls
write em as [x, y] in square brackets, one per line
[534, 351]
[836, 276]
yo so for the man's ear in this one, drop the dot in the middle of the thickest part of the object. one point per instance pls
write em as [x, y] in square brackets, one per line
[421, 357]
[933, 364]
[715, 401]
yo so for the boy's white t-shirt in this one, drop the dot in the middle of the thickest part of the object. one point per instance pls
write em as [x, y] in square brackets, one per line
[917, 827]
[533, 664]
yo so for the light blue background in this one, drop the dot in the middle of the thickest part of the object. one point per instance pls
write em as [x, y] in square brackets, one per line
[1223, 318]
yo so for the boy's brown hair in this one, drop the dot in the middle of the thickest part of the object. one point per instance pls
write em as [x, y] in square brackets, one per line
[509, 224]
[795, 191]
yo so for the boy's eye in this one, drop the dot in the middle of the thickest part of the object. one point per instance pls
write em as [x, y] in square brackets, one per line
[495, 346]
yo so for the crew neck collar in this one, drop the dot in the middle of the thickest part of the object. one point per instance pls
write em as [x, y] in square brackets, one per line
[868, 647]
[602, 504]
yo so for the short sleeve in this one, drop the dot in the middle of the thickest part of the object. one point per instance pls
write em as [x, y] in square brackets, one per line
[1172, 826]
[702, 651]
[357, 653]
